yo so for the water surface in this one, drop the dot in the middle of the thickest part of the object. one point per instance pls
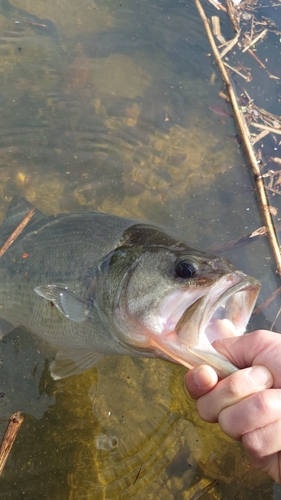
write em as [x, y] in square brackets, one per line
[106, 106]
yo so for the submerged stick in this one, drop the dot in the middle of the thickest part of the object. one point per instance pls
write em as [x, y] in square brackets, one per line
[236, 71]
[9, 437]
[266, 303]
[202, 492]
[32, 23]
[256, 59]
[17, 231]
[245, 135]
[238, 242]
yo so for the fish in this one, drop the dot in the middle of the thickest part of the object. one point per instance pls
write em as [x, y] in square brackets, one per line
[94, 284]
[219, 110]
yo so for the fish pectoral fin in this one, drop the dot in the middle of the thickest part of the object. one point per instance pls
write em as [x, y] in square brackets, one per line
[5, 327]
[73, 361]
[68, 303]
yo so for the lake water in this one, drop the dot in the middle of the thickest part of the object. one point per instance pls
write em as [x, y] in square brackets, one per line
[106, 106]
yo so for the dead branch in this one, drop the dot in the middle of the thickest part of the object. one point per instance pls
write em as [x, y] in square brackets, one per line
[17, 231]
[9, 437]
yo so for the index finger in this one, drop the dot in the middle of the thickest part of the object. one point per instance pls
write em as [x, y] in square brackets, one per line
[232, 390]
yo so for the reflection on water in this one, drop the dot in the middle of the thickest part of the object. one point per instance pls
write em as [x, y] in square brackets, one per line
[106, 106]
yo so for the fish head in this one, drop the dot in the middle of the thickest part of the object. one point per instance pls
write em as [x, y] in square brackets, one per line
[172, 301]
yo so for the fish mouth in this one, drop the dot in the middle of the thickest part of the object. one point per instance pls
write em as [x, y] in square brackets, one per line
[223, 311]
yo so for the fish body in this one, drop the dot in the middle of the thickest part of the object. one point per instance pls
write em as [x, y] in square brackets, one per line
[95, 284]
[219, 110]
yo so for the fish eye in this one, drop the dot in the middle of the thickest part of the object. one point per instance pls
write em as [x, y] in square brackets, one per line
[185, 269]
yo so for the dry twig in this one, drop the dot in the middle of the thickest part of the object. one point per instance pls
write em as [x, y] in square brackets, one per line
[9, 437]
[275, 160]
[265, 127]
[17, 231]
[230, 45]
[237, 72]
[39, 25]
[231, 13]
[268, 301]
[258, 37]
[202, 492]
[260, 136]
[238, 242]
[217, 29]
[256, 58]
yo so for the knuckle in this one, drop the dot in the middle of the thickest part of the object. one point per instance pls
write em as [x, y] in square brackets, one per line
[234, 388]
[227, 422]
[265, 401]
[253, 445]
[206, 411]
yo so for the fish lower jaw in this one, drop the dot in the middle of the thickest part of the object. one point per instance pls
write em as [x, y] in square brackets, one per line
[221, 328]
[169, 347]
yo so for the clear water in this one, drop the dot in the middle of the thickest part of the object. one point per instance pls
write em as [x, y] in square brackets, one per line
[106, 105]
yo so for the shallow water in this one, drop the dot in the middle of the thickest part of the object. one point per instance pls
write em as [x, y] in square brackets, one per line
[106, 105]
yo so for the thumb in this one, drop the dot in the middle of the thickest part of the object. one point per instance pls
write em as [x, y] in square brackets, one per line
[257, 348]
[200, 380]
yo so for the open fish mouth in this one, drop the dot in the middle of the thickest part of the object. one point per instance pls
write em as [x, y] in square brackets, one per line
[231, 303]
[223, 311]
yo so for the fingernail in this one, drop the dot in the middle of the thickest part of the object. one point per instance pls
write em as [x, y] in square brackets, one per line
[204, 376]
[260, 377]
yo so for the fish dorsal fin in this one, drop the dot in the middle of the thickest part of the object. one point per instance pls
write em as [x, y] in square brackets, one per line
[18, 209]
[72, 361]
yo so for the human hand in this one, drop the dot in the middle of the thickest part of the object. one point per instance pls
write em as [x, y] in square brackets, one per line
[246, 404]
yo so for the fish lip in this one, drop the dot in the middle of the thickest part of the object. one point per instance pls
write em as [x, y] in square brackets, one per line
[230, 297]
[188, 342]
[207, 307]
[194, 331]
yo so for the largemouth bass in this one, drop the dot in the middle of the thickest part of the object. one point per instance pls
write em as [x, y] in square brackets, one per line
[95, 284]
